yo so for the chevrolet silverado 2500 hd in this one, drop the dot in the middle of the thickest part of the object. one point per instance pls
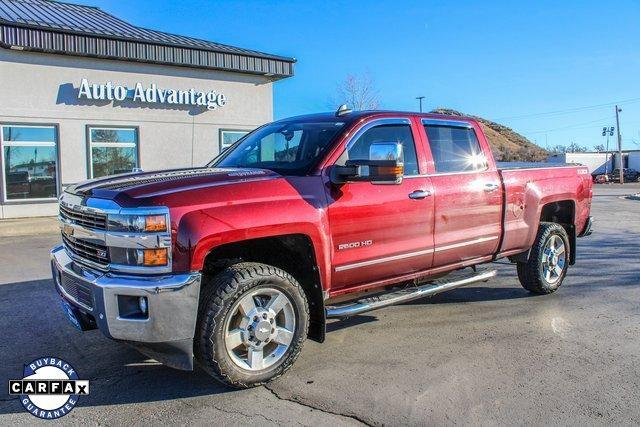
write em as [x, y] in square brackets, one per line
[233, 265]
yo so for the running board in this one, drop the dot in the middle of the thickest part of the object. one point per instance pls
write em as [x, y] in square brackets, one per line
[407, 294]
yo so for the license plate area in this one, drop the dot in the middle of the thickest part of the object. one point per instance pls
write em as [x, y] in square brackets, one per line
[79, 320]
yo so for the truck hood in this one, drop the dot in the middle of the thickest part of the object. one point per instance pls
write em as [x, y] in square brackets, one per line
[132, 188]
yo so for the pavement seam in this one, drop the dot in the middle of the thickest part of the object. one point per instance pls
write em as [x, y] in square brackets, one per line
[350, 416]
[226, 411]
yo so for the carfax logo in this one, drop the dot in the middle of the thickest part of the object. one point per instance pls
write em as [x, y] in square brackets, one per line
[49, 388]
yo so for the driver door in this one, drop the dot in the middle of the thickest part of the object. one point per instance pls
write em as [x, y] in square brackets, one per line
[380, 231]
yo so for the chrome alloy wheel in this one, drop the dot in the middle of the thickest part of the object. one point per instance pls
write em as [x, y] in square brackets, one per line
[554, 257]
[259, 329]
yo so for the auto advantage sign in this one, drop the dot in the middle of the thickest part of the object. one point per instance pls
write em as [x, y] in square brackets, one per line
[151, 94]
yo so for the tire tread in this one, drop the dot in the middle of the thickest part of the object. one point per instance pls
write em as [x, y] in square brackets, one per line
[215, 296]
[529, 272]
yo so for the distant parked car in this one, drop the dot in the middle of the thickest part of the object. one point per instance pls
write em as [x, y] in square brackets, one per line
[600, 178]
[18, 185]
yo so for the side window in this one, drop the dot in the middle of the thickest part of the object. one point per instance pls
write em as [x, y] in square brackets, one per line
[455, 149]
[359, 150]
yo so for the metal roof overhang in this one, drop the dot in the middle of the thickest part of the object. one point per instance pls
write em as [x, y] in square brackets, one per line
[63, 42]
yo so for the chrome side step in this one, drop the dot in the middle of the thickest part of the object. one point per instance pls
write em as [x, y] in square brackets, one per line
[407, 294]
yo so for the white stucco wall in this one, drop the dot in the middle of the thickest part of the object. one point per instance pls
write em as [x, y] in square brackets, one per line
[42, 89]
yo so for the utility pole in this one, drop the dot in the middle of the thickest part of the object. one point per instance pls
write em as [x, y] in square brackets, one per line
[420, 98]
[619, 144]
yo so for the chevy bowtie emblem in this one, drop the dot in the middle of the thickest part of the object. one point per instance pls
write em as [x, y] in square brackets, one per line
[67, 229]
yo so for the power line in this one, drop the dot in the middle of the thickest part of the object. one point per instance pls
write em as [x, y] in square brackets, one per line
[601, 120]
[570, 110]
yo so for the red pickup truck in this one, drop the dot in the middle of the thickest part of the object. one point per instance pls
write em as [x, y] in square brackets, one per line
[321, 216]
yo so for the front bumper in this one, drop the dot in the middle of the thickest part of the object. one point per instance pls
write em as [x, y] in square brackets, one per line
[166, 334]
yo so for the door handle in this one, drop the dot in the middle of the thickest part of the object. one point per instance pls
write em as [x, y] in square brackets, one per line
[419, 194]
[489, 187]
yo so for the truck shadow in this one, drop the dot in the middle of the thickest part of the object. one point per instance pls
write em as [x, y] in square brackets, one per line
[34, 326]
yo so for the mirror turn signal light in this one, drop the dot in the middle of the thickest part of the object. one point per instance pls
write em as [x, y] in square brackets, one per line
[155, 223]
[155, 257]
[391, 170]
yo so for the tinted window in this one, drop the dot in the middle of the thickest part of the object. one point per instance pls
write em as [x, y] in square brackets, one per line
[289, 148]
[229, 137]
[359, 150]
[455, 149]
[30, 162]
[113, 150]
[29, 133]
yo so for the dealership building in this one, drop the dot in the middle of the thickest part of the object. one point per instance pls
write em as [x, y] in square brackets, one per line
[84, 94]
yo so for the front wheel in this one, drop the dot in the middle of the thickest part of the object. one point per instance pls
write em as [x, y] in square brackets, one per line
[252, 323]
[548, 261]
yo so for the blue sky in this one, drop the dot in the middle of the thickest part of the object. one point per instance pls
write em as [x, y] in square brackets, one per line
[523, 64]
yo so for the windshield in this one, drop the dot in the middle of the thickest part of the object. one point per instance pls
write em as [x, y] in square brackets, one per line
[288, 148]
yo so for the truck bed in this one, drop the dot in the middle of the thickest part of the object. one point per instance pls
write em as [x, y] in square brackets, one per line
[528, 187]
[529, 165]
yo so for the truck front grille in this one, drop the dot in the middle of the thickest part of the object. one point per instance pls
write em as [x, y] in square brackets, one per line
[87, 219]
[84, 249]
[78, 291]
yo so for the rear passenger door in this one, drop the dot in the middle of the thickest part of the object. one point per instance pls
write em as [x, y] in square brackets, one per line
[468, 193]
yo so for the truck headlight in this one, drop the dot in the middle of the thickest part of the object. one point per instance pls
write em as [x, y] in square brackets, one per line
[138, 223]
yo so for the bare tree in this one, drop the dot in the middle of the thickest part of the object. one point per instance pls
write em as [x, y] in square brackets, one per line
[599, 147]
[358, 92]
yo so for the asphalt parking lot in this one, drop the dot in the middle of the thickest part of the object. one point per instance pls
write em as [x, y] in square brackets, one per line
[485, 354]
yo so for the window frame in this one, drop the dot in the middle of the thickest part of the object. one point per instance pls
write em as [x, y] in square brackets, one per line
[455, 124]
[386, 121]
[90, 144]
[221, 133]
[56, 144]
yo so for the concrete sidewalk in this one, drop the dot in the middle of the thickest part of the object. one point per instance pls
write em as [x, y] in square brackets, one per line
[28, 226]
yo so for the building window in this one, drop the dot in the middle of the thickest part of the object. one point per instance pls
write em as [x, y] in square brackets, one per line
[112, 150]
[229, 137]
[29, 162]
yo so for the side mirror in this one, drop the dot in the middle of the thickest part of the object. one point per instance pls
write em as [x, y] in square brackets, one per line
[384, 166]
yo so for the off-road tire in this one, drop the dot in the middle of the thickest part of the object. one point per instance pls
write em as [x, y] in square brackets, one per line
[530, 273]
[217, 297]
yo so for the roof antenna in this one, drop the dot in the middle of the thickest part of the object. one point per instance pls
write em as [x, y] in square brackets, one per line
[342, 110]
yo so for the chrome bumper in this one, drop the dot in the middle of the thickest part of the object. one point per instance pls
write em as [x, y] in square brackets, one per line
[166, 334]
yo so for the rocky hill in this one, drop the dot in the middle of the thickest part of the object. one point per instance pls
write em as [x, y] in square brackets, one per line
[506, 144]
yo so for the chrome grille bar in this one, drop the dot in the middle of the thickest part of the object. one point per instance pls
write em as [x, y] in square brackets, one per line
[87, 219]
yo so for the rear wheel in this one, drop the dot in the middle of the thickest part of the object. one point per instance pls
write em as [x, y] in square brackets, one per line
[548, 260]
[252, 323]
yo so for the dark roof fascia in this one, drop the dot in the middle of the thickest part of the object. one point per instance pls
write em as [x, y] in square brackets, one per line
[245, 52]
[53, 30]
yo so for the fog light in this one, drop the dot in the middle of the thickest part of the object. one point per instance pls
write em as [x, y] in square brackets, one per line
[152, 257]
[142, 303]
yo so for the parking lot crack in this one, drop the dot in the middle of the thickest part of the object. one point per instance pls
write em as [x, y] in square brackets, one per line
[350, 416]
[230, 412]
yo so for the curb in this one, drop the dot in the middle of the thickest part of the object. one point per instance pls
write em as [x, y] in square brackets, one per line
[28, 226]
